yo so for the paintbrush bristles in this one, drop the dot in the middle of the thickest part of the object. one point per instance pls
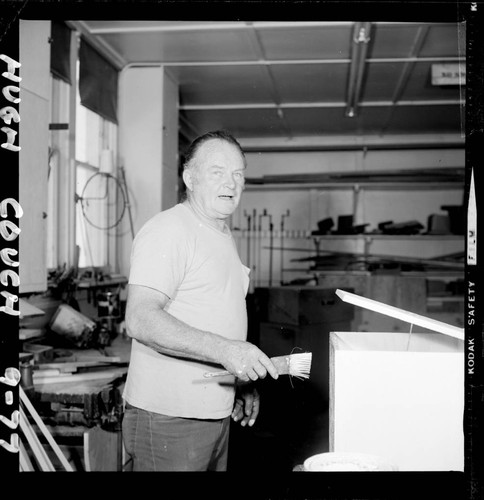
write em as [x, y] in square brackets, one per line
[300, 364]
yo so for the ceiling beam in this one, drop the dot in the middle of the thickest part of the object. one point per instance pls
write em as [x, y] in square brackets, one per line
[408, 66]
[406, 71]
[118, 27]
[259, 50]
[288, 62]
[341, 143]
[308, 105]
[94, 36]
[183, 27]
[98, 43]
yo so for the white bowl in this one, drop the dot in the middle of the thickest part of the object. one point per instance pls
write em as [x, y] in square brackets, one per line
[347, 462]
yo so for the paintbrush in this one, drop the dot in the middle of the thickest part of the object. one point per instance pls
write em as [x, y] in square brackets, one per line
[297, 365]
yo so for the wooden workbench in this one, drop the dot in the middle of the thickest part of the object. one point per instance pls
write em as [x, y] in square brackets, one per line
[85, 406]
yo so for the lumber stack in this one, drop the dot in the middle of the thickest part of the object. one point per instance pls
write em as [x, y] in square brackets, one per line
[33, 455]
[78, 371]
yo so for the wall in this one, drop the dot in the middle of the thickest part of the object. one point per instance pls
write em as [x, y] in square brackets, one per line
[170, 142]
[34, 110]
[331, 203]
[149, 153]
[148, 131]
[308, 206]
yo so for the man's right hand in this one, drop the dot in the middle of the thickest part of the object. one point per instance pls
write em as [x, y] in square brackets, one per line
[247, 362]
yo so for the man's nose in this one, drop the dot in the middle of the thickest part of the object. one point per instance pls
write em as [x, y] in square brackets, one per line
[229, 181]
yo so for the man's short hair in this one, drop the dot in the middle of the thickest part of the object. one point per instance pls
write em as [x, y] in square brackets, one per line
[202, 139]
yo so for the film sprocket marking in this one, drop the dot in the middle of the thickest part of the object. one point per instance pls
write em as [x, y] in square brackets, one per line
[9, 231]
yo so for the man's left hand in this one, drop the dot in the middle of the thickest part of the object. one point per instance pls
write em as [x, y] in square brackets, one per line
[246, 406]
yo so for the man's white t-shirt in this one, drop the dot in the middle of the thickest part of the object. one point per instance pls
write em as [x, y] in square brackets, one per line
[199, 269]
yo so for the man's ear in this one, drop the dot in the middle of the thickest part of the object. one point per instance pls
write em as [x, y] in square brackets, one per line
[188, 179]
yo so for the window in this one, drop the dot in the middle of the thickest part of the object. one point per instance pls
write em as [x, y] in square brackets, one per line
[96, 143]
[78, 151]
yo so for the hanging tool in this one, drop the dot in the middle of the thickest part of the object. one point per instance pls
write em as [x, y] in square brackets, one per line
[247, 216]
[283, 216]
[128, 204]
[258, 246]
[254, 252]
[261, 216]
[271, 244]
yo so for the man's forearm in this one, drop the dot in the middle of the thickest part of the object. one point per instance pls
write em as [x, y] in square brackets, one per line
[166, 334]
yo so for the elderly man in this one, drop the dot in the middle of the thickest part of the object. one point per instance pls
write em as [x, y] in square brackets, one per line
[186, 313]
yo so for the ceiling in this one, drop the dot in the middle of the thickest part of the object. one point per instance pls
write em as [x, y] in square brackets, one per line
[296, 85]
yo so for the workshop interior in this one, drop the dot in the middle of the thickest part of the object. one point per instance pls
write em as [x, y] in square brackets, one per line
[352, 224]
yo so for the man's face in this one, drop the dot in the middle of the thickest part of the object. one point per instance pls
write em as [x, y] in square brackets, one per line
[217, 180]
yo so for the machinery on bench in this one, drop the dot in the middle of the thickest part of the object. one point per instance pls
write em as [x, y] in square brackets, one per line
[76, 381]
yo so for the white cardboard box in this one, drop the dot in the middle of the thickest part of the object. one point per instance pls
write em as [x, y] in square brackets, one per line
[399, 396]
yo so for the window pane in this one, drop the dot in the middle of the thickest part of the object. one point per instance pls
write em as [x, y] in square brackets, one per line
[88, 135]
[96, 140]
[91, 218]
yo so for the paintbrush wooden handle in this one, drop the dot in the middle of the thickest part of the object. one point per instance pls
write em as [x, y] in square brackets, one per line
[216, 374]
[281, 363]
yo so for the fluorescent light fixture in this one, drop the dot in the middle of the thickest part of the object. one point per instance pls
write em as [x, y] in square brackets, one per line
[361, 37]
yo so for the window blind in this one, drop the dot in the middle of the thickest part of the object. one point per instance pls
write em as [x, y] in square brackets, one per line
[60, 51]
[98, 82]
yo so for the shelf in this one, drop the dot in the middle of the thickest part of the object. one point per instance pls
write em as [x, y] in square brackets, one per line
[446, 298]
[401, 186]
[367, 236]
[330, 272]
[433, 273]
[372, 250]
[401, 179]
[306, 235]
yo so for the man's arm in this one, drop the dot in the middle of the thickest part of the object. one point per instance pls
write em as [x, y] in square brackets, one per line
[150, 324]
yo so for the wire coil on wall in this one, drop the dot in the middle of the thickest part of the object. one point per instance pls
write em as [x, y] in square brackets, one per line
[103, 191]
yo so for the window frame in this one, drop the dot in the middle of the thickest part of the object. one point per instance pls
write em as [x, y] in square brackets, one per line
[62, 233]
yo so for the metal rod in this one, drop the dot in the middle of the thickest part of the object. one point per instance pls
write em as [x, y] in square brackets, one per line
[247, 216]
[128, 204]
[263, 215]
[271, 239]
[259, 243]
[283, 216]
[254, 252]
[48, 436]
